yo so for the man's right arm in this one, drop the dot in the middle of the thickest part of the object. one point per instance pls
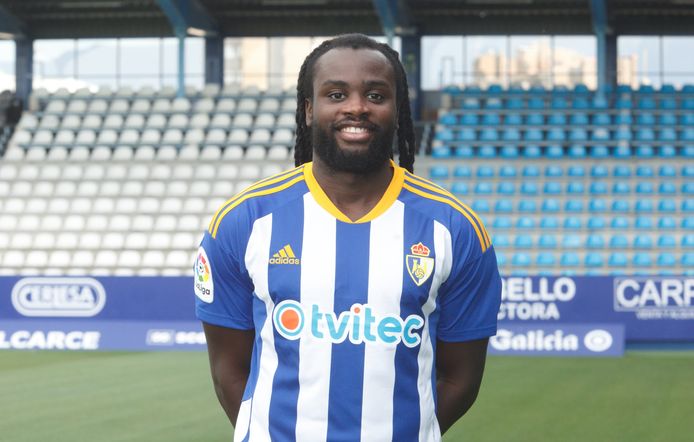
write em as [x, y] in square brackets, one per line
[230, 353]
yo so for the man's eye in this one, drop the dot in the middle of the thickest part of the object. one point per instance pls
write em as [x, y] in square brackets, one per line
[375, 97]
[336, 95]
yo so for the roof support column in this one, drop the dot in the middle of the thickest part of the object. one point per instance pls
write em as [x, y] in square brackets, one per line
[181, 90]
[24, 68]
[606, 46]
[411, 55]
[214, 60]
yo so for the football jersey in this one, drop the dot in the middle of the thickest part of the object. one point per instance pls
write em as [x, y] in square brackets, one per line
[346, 313]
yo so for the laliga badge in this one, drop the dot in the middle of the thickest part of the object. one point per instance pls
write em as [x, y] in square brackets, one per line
[419, 265]
[204, 288]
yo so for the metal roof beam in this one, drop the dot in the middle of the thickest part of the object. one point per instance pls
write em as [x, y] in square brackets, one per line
[395, 18]
[189, 17]
[11, 27]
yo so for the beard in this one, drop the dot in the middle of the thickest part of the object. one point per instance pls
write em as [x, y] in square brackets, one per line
[379, 151]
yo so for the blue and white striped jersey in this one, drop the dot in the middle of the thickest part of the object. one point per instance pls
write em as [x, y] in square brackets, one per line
[346, 314]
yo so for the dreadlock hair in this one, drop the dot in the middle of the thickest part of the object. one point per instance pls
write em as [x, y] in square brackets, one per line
[303, 149]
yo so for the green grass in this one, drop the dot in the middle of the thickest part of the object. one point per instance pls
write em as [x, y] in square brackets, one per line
[56, 396]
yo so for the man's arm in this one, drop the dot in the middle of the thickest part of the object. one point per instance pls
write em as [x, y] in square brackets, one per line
[230, 352]
[459, 368]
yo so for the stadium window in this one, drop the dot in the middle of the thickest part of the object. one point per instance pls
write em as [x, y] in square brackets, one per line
[639, 61]
[574, 61]
[442, 62]
[7, 57]
[96, 62]
[195, 62]
[531, 61]
[486, 60]
[139, 62]
[55, 65]
[678, 70]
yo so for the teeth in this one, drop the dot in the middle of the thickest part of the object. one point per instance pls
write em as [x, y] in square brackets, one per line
[353, 130]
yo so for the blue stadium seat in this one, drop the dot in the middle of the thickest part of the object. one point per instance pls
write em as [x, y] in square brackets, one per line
[597, 205]
[688, 104]
[507, 171]
[688, 205]
[506, 188]
[666, 259]
[448, 119]
[687, 134]
[576, 171]
[513, 119]
[643, 241]
[688, 260]
[688, 171]
[620, 206]
[618, 259]
[515, 89]
[571, 241]
[469, 119]
[666, 241]
[569, 259]
[687, 119]
[645, 134]
[531, 170]
[575, 188]
[532, 151]
[462, 171]
[552, 188]
[623, 103]
[667, 171]
[642, 259]
[546, 241]
[579, 119]
[537, 89]
[483, 188]
[438, 172]
[599, 151]
[667, 119]
[595, 241]
[621, 171]
[688, 188]
[571, 223]
[644, 206]
[645, 119]
[646, 103]
[644, 187]
[494, 89]
[444, 135]
[688, 151]
[557, 119]
[467, 134]
[501, 240]
[581, 89]
[580, 103]
[545, 259]
[687, 241]
[491, 119]
[481, 206]
[493, 103]
[600, 102]
[464, 152]
[666, 88]
[535, 119]
[489, 134]
[511, 134]
[502, 222]
[619, 241]
[593, 259]
[441, 152]
[523, 241]
[578, 134]
[500, 259]
[529, 188]
[521, 259]
[623, 134]
[667, 205]
[550, 206]
[644, 151]
[646, 89]
[599, 171]
[667, 135]
[667, 151]
[621, 188]
[485, 171]
[596, 223]
[554, 170]
[598, 188]
[556, 134]
[487, 152]
[601, 119]
[536, 103]
[549, 222]
[527, 206]
[503, 206]
[533, 135]
[515, 103]
[600, 134]
[554, 151]
[623, 118]
[509, 151]
[619, 222]
[460, 188]
[525, 222]
[644, 171]
[667, 223]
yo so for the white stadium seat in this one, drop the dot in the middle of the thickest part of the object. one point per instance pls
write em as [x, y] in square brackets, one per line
[256, 153]
[178, 121]
[119, 106]
[141, 106]
[97, 106]
[92, 122]
[160, 172]
[159, 240]
[36, 154]
[77, 107]
[96, 223]
[113, 122]
[129, 258]
[238, 136]
[148, 205]
[107, 137]
[156, 121]
[232, 153]
[221, 121]
[226, 105]
[106, 258]
[194, 136]
[211, 153]
[79, 153]
[242, 121]
[122, 153]
[21, 241]
[194, 205]
[136, 240]
[55, 153]
[199, 121]
[82, 258]
[113, 240]
[81, 206]
[44, 241]
[101, 153]
[166, 153]
[36, 258]
[71, 122]
[205, 105]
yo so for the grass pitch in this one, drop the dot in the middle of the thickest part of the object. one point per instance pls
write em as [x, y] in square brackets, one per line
[61, 396]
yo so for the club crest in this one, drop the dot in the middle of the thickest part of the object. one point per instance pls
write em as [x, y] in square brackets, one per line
[419, 265]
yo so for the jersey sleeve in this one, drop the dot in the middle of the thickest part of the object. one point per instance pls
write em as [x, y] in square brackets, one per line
[223, 288]
[470, 297]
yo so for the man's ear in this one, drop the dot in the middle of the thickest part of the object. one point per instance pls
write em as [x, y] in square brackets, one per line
[308, 108]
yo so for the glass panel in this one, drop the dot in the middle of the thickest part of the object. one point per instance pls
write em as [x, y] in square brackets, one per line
[7, 52]
[575, 61]
[486, 61]
[96, 61]
[195, 62]
[139, 62]
[639, 61]
[531, 61]
[678, 63]
[55, 64]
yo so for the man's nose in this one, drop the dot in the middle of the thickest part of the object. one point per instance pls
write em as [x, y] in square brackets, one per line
[356, 105]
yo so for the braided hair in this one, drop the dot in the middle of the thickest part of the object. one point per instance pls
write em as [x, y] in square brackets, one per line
[303, 149]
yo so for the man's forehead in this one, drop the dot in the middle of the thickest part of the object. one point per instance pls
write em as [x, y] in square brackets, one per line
[336, 60]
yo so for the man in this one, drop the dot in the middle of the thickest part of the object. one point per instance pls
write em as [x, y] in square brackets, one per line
[347, 299]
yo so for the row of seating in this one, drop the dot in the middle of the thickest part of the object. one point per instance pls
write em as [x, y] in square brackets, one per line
[601, 170]
[658, 262]
[579, 89]
[623, 150]
[597, 102]
[90, 240]
[594, 241]
[559, 134]
[119, 221]
[596, 205]
[593, 222]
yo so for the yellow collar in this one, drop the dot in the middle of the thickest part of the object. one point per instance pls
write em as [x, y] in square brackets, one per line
[388, 198]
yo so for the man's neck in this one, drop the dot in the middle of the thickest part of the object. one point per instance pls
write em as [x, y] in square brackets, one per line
[353, 194]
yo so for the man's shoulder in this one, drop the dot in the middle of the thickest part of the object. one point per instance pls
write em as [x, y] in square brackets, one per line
[259, 199]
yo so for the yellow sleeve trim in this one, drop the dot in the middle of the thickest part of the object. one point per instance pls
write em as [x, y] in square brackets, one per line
[214, 223]
[480, 236]
[434, 188]
[387, 200]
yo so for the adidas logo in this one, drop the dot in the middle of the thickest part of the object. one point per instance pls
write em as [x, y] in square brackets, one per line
[284, 256]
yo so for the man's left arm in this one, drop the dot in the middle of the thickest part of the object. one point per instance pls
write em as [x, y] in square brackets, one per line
[459, 368]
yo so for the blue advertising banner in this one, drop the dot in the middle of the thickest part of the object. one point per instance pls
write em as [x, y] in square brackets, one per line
[140, 313]
[540, 339]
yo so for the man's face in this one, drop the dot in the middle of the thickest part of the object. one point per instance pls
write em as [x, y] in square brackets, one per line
[353, 114]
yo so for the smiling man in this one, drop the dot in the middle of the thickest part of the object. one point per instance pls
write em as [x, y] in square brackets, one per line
[347, 299]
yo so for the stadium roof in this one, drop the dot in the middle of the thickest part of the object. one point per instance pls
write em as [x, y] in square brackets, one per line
[43, 19]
